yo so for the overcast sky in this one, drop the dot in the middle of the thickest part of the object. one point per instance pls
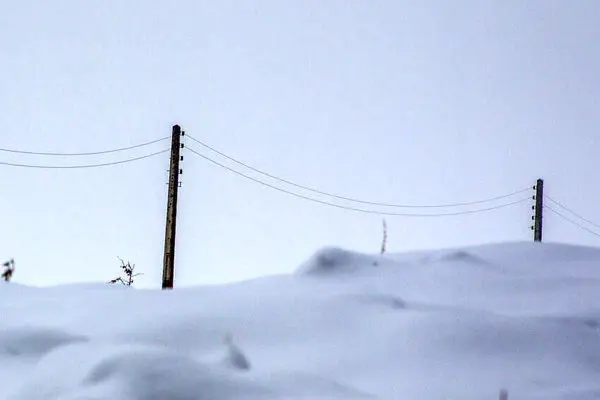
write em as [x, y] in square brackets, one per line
[411, 102]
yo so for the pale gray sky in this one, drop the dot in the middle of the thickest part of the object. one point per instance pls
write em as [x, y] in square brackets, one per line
[419, 102]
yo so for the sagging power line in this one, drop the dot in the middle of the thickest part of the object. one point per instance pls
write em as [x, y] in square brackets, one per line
[352, 199]
[40, 153]
[349, 208]
[561, 215]
[80, 166]
[580, 217]
[559, 204]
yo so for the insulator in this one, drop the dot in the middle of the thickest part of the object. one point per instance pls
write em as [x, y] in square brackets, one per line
[533, 207]
[182, 145]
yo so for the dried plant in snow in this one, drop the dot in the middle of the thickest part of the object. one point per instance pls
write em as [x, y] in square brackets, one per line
[384, 241]
[128, 270]
[9, 269]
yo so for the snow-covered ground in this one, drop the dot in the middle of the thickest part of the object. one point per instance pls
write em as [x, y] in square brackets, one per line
[448, 324]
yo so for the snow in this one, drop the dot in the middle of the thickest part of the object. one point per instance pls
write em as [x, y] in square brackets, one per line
[446, 324]
[235, 357]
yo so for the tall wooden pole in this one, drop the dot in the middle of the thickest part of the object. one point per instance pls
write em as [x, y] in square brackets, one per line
[169, 257]
[539, 208]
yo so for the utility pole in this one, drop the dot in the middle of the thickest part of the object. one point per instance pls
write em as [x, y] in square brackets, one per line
[174, 171]
[538, 208]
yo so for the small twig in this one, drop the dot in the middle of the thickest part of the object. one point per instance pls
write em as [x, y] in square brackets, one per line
[128, 269]
[384, 241]
[10, 269]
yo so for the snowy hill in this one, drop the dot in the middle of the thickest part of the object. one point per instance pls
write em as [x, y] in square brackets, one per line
[448, 324]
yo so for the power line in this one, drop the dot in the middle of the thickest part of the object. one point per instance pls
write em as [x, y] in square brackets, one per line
[355, 200]
[572, 212]
[571, 221]
[352, 208]
[84, 165]
[84, 154]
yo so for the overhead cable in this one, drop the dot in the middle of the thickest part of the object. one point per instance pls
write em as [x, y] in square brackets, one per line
[38, 153]
[572, 212]
[355, 200]
[571, 220]
[346, 207]
[82, 165]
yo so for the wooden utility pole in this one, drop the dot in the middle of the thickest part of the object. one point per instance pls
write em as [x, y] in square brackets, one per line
[174, 171]
[539, 208]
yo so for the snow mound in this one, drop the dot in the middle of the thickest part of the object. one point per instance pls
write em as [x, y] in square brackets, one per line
[534, 253]
[563, 252]
[333, 260]
[388, 301]
[463, 325]
[307, 386]
[30, 341]
[131, 373]
[462, 256]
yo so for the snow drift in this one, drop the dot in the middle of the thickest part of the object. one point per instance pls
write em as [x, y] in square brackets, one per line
[446, 324]
[332, 260]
